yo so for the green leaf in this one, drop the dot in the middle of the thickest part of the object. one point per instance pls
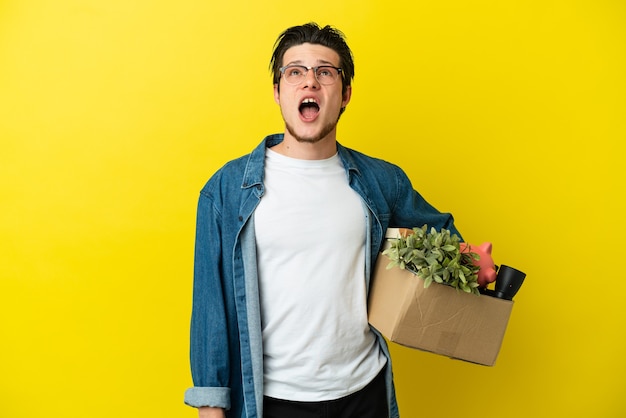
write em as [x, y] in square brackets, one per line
[438, 240]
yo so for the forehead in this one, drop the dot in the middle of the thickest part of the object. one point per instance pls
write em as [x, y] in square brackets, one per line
[310, 55]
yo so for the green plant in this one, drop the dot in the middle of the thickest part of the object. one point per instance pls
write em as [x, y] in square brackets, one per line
[435, 257]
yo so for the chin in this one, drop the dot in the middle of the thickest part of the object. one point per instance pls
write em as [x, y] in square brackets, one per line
[307, 139]
[311, 138]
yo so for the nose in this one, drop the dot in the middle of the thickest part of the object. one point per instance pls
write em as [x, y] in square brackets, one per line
[310, 80]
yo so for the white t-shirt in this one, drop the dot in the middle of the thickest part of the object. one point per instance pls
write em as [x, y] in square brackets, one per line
[310, 231]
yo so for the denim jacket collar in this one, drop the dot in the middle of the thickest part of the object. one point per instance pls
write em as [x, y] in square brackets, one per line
[253, 175]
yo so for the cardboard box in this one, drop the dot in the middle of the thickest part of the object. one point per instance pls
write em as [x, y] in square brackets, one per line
[439, 319]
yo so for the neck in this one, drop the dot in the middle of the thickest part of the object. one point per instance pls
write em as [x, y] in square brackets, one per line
[318, 150]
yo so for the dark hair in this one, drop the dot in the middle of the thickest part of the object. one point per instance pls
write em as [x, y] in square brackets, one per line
[314, 34]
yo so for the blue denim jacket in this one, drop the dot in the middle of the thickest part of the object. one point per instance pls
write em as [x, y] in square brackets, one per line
[226, 342]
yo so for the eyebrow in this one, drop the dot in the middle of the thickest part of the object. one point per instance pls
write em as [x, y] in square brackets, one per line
[319, 62]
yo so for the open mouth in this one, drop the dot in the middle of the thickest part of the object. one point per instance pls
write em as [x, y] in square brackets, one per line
[309, 108]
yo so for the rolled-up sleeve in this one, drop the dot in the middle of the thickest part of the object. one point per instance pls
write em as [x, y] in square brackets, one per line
[207, 396]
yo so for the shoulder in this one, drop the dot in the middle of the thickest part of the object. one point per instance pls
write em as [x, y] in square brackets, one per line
[244, 171]
[367, 165]
[229, 176]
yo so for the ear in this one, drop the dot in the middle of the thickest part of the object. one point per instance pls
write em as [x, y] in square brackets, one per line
[346, 97]
[276, 94]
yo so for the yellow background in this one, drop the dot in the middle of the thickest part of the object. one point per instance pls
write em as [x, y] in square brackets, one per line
[113, 114]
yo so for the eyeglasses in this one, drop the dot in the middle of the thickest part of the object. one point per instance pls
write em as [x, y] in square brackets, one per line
[296, 74]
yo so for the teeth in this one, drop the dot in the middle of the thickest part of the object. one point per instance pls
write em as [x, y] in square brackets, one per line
[309, 100]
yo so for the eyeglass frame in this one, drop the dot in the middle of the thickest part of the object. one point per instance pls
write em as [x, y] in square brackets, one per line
[283, 69]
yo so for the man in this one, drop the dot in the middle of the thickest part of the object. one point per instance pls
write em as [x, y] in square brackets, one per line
[286, 240]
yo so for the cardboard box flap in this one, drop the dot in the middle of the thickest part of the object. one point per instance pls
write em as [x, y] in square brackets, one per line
[390, 295]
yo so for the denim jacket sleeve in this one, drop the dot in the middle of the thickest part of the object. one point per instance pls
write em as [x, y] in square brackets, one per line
[209, 349]
[412, 210]
[391, 195]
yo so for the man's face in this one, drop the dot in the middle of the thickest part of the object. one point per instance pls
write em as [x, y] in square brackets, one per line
[311, 110]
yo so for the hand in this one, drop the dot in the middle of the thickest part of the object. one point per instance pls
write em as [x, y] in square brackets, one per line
[210, 412]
